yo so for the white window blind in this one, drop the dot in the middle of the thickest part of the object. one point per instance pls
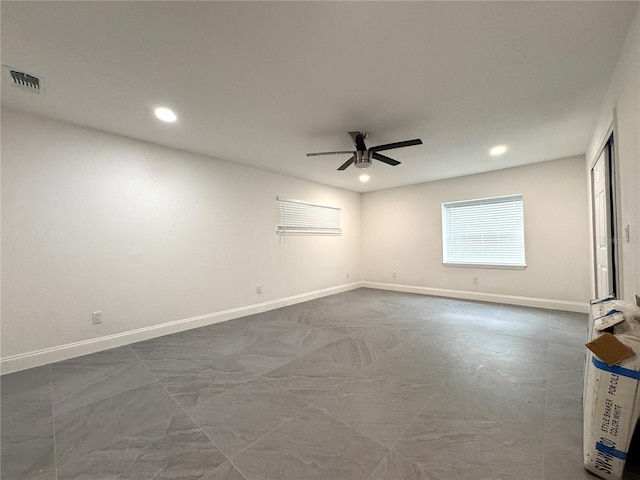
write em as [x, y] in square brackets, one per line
[302, 218]
[489, 231]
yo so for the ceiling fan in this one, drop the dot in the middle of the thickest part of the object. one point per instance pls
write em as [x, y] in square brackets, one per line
[363, 156]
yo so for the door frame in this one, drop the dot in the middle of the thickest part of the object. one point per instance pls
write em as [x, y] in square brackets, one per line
[608, 146]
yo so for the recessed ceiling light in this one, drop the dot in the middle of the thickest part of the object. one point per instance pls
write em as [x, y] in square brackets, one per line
[165, 114]
[364, 178]
[498, 150]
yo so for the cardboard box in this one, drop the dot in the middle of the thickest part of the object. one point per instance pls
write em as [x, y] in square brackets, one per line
[611, 403]
[609, 349]
[598, 308]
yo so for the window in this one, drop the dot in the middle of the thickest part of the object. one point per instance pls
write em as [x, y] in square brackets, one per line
[485, 232]
[303, 218]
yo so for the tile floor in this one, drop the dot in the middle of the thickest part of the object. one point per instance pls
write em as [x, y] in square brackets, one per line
[363, 385]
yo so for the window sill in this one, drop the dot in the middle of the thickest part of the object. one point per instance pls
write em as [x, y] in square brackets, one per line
[482, 266]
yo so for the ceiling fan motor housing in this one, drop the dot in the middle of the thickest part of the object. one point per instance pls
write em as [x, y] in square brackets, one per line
[363, 159]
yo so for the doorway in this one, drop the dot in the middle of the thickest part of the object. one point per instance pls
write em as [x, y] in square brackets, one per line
[604, 222]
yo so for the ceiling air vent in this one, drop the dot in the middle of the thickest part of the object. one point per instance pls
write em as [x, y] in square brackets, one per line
[25, 81]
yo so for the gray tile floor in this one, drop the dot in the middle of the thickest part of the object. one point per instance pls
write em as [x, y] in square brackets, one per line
[363, 385]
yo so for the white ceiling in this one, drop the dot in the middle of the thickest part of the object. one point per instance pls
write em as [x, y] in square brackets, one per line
[263, 83]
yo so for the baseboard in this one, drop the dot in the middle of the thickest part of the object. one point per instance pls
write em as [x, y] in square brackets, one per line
[45, 356]
[565, 305]
[63, 352]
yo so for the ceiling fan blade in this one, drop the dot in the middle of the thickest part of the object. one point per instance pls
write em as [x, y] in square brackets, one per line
[387, 160]
[329, 153]
[347, 163]
[358, 140]
[389, 146]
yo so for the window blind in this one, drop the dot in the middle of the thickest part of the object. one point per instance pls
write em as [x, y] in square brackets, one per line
[489, 231]
[296, 217]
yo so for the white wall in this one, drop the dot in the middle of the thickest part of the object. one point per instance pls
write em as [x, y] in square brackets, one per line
[402, 232]
[622, 108]
[146, 234]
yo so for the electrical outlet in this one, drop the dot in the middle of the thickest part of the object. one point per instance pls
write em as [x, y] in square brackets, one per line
[96, 318]
[474, 279]
[347, 274]
[395, 275]
[258, 288]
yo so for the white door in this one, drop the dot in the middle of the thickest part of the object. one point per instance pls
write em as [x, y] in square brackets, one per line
[602, 226]
[599, 185]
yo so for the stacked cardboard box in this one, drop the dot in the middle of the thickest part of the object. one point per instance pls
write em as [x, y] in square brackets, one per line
[612, 386]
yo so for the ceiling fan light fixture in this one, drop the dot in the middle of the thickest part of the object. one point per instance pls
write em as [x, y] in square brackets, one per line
[363, 159]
